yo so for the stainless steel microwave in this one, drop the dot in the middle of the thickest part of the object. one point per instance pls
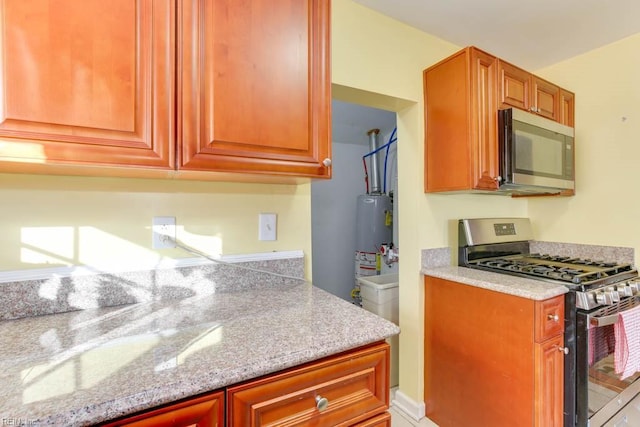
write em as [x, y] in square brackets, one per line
[536, 154]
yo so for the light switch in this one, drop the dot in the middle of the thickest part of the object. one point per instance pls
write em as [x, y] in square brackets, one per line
[267, 226]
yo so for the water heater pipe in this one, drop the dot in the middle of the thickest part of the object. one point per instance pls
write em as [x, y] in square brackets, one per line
[375, 172]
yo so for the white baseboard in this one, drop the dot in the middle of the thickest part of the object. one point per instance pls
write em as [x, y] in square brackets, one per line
[411, 408]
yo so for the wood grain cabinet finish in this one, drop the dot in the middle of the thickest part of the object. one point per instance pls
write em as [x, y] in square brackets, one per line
[499, 354]
[521, 89]
[254, 86]
[152, 86]
[462, 95]
[87, 83]
[567, 108]
[203, 411]
[383, 420]
[461, 149]
[355, 386]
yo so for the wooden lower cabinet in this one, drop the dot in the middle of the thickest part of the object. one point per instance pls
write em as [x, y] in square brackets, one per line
[348, 389]
[492, 359]
[345, 390]
[383, 420]
[203, 411]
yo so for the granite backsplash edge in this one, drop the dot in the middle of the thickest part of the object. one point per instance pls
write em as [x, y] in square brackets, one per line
[441, 257]
[59, 294]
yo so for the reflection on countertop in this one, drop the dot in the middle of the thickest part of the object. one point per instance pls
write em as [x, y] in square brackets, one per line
[88, 366]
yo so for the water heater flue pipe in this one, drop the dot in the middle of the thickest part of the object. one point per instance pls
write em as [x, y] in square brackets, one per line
[375, 170]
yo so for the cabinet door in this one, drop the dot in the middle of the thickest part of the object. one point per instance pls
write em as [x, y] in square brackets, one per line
[515, 90]
[204, 411]
[87, 83]
[461, 147]
[339, 391]
[549, 382]
[567, 108]
[254, 86]
[479, 353]
[546, 98]
[484, 120]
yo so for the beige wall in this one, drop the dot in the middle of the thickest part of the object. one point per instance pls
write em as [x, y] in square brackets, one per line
[377, 55]
[605, 208]
[49, 221]
[377, 62]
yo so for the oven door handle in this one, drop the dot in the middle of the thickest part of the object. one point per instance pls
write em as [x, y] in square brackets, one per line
[610, 319]
[597, 322]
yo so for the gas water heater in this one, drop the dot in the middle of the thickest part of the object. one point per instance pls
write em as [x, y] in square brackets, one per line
[374, 218]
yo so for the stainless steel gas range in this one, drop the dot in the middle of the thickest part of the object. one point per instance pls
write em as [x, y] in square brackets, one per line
[599, 290]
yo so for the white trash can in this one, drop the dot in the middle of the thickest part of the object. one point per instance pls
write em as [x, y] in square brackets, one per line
[380, 296]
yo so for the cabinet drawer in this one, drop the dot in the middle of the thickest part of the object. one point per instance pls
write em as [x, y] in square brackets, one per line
[204, 411]
[356, 386]
[383, 420]
[549, 318]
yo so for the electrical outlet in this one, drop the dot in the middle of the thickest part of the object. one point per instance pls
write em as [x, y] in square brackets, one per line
[161, 228]
[267, 226]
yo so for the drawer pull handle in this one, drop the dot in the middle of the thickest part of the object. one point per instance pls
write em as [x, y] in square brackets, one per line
[553, 317]
[321, 403]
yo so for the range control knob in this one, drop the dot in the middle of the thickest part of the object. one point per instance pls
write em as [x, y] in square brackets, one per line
[603, 298]
[615, 296]
[624, 290]
[635, 287]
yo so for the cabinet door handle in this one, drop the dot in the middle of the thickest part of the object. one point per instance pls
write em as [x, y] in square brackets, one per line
[565, 350]
[326, 162]
[321, 403]
[553, 317]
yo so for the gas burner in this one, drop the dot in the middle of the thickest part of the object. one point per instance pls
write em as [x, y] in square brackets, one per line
[502, 245]
[547, 257]
[570, 271]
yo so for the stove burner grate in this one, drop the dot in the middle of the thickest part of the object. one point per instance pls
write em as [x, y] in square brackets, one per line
[569, 270]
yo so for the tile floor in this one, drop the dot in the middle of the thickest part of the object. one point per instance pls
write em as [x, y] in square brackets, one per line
[400, 419]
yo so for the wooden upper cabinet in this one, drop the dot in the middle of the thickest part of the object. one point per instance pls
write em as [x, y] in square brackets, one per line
[523, 90]
[461, 123]
[567, 108]
[254, 86]
[87, 83]
[515, 86]
[546, 98]
[462, 96]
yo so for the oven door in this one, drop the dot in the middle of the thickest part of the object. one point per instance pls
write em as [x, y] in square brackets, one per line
[603, 397]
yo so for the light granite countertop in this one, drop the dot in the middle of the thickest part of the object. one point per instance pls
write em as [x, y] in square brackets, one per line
[84, 367]
[513, 285]
[437, 262]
